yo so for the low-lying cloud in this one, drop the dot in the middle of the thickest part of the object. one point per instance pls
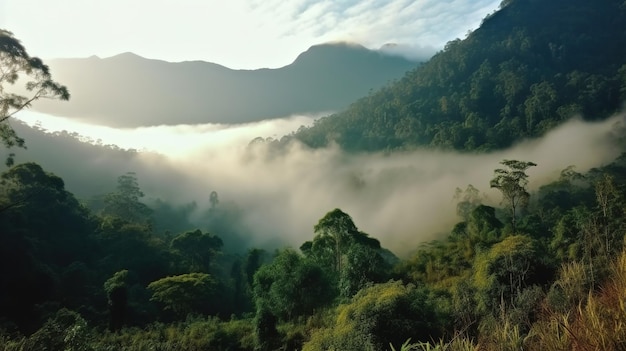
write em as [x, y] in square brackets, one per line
[401, 198]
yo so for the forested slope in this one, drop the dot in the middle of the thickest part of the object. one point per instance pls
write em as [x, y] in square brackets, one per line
[530, 66]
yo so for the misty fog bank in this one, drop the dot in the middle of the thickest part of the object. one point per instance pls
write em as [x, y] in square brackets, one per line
[402, 199]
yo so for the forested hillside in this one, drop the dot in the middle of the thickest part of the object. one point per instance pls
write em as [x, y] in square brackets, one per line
[529, 67]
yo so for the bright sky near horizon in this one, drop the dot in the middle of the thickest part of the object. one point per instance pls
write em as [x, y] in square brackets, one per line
[239, 34]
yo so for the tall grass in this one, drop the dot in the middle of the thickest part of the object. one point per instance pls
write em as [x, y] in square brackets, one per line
[597, 322]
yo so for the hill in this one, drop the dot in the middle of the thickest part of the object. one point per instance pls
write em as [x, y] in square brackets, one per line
[527, 68]
[129, 91]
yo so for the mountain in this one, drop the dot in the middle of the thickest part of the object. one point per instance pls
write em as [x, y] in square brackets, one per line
[129, 91]
[529, 66]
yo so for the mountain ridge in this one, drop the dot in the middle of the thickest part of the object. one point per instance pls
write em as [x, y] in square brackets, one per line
[127, 90]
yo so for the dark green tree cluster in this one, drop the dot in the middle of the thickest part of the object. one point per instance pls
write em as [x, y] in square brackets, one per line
[58, 253]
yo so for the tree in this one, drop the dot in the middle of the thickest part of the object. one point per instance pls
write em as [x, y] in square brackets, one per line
[254, 260]
[268, 337]
[27, 183]
[117, 294]
[197, 249]
[607, 197]
[124, 202]
[363, 265]
[185, 293]
[504, 271]
[539, 105]
[291, 286]
[335, 233]
[512, 182]
[214, 199]
[16, 66]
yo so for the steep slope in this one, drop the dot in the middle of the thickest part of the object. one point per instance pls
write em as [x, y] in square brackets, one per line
[530, 66]
[128, 90]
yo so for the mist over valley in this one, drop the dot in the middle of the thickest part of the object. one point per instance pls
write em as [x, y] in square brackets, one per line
[279, 192]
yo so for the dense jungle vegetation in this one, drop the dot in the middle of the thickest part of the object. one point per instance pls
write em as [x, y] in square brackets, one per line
[549, 276]
[546, 270]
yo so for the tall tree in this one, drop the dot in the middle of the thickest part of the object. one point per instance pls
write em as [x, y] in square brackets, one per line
[512, 182]
[125, 202]
[16, 66]
[117, 294]
[335, 233]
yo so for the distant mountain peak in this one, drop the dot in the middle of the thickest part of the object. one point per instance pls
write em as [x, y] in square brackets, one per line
[126, 56]
[333, 51]
[333, 47]
[389, 46]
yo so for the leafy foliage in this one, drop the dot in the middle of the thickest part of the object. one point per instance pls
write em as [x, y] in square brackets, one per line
[184, 293]
[292, 286]
[504, 271]
[16, 66]
[381, 314]
[344, 251]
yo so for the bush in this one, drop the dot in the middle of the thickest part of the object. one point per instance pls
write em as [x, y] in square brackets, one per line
[379, 315]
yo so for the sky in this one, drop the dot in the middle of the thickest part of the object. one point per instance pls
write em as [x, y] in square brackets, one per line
[239, 34]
